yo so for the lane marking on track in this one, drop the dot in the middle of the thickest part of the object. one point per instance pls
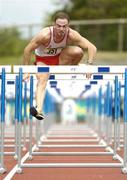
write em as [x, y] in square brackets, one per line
[13, 171]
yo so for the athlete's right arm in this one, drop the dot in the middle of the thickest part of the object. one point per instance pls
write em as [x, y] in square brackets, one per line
[40, 38]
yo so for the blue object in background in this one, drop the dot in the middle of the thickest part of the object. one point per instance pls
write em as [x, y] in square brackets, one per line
[49, 104]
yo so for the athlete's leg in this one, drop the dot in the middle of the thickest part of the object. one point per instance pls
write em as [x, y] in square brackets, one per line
[40, 91]
[42, 79]
[71, 55]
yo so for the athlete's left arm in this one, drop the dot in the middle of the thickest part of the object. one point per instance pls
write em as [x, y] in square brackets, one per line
[82, 42]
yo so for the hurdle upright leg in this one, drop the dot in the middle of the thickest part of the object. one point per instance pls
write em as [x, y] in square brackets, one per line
[2, 168]
[25, 116]
[19, 169]
[30, 119]
[115, 117]
[124, 170]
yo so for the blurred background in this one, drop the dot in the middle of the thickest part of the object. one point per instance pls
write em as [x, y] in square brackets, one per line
[103, 22]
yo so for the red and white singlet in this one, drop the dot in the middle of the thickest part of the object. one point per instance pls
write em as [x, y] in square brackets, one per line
[50, 54]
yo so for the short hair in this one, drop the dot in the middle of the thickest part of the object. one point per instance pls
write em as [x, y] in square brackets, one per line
[61, 15]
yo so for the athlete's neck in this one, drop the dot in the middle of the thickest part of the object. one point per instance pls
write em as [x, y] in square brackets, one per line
[57, 37]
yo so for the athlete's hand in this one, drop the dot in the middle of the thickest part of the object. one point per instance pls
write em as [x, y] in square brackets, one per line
[26, 77]
[88, 75]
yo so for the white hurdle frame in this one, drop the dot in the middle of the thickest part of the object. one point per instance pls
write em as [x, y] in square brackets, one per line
[74, 70]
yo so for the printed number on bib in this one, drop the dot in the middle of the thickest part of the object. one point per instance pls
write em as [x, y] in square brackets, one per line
[52, 51]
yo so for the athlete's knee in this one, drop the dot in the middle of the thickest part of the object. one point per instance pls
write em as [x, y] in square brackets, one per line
[77, 55]
[78, 52]
[71, 56]
[42, 78]
[74, 53]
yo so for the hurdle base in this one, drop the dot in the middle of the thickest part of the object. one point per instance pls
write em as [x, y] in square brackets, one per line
[24, 149]
[19, 170]
[2, 170]
[30, 157]
[124, 170]
[118, 149]
[115, 157]
[15, 157]
[37, 147]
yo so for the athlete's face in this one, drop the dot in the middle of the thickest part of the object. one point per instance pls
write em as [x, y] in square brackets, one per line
[61, 26]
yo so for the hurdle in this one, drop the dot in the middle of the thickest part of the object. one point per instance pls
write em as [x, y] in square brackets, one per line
[107, 97]
[125, 125]
[71, 69]
[108, 113]
[7, 78]
[80, 70]
[3, 70]
[10, 83]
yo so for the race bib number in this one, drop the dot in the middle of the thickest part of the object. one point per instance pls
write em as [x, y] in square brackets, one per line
[52, 51]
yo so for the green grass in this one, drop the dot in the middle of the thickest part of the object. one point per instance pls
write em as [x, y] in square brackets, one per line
[11, 60]
[102, 58]
[110, 58]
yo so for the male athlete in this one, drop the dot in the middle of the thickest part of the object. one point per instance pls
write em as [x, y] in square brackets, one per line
[55, 45]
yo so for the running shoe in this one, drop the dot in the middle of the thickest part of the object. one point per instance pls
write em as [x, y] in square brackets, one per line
[36, 114]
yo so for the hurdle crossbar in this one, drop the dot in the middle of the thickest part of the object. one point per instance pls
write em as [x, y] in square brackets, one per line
[70, 69]
[10, 78]
[72, 165]
[71, 153]
[70, 140]
[73, 146]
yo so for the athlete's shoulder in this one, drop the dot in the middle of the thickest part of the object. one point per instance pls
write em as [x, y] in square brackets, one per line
[73, 32]
[73, 35]
[43, 35]
[44, 32]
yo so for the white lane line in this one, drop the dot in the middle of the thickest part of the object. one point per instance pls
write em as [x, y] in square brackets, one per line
[13, 171]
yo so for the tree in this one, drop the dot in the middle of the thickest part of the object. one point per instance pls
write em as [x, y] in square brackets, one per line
[10, 42]
[96, 9]
[104, 36]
